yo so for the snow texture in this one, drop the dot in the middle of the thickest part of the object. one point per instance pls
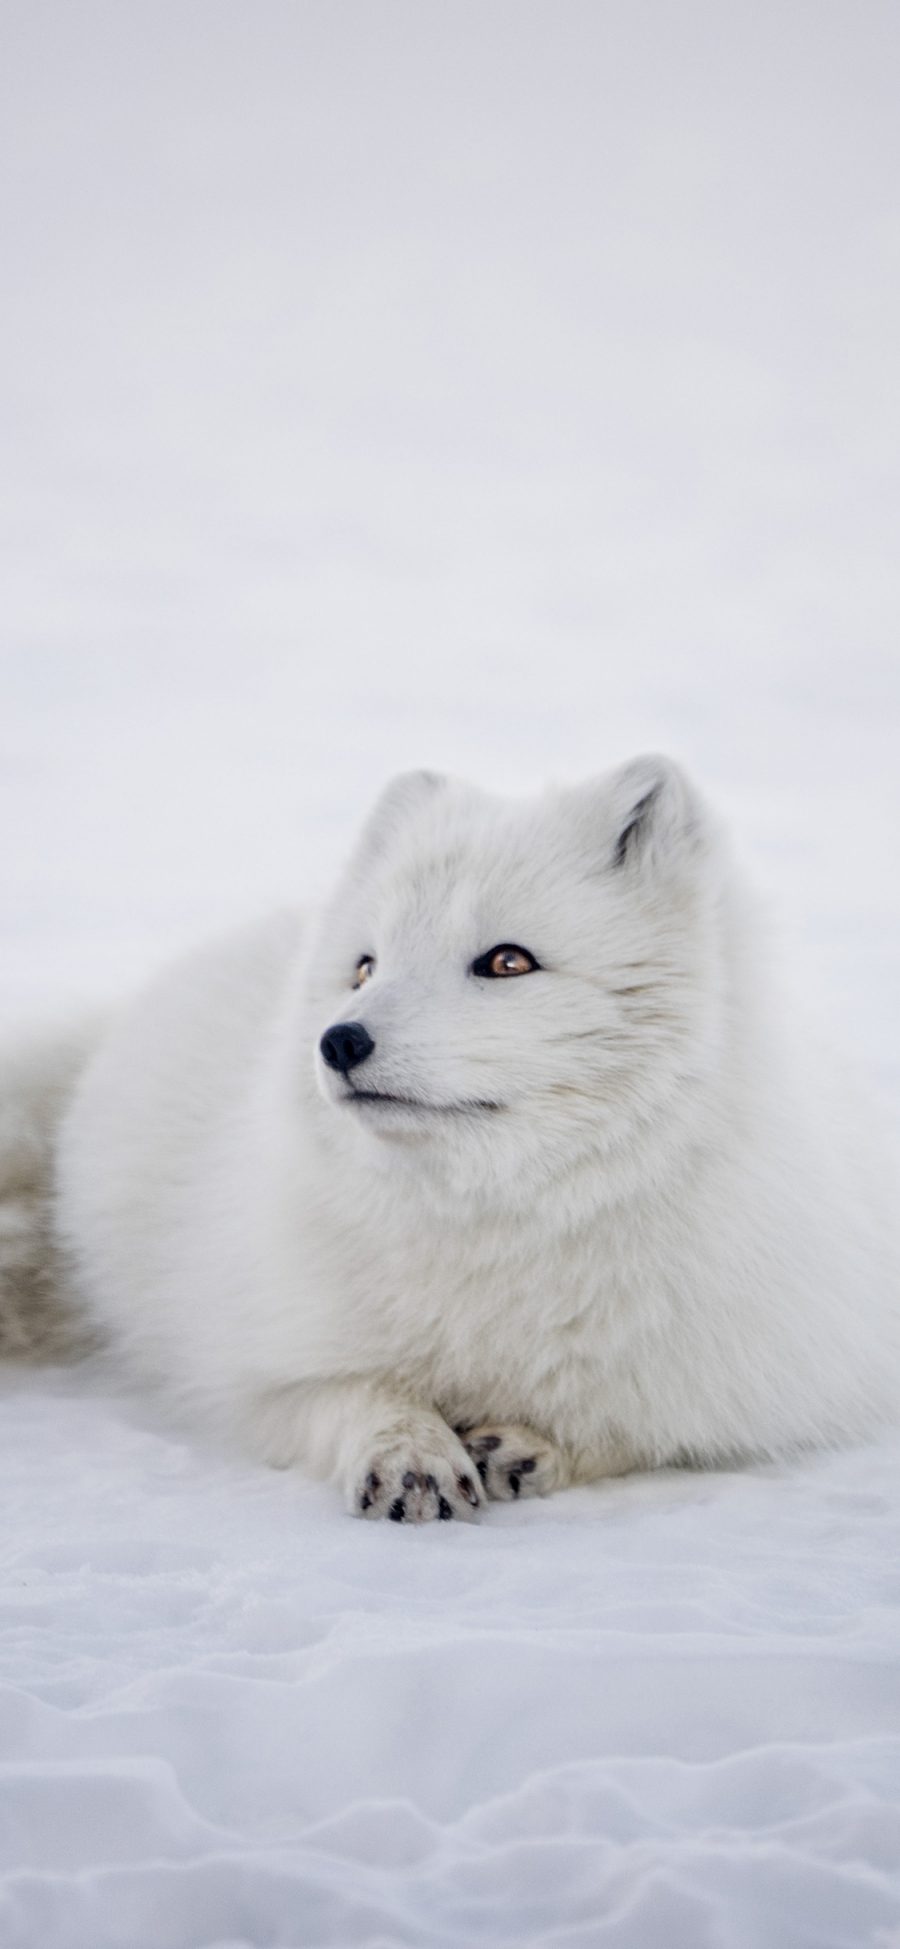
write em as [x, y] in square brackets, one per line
[507, 388]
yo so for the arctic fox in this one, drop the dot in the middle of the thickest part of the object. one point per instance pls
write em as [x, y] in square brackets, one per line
[507, 1173]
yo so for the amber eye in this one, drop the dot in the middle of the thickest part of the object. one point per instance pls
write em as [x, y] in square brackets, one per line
[505, 960]
[365, 968]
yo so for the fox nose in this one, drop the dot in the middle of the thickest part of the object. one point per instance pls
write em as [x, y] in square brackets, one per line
[347, 1044]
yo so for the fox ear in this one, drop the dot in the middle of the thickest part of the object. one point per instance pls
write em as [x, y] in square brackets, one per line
[656, 813]
[397, 802]
[400, 794]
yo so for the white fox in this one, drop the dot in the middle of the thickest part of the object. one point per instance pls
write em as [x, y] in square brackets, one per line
[507, 1172]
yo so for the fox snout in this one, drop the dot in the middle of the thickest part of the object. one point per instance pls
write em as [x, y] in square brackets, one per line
[345, 1046]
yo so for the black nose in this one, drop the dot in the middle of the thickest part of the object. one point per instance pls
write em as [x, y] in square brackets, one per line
[347, 1044]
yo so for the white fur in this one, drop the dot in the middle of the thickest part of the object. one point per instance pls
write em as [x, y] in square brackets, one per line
[673, 1239]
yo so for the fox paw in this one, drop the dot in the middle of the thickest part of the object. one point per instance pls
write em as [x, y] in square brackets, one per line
[408, 1484]
[513, 1461]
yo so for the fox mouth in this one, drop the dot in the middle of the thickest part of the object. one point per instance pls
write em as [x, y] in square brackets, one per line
[376, 1099]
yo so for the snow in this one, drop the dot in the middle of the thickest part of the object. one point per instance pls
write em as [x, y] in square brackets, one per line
[509, 389]
[230, 1714]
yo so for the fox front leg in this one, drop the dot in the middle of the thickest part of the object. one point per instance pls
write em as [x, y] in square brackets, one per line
[391, 1455]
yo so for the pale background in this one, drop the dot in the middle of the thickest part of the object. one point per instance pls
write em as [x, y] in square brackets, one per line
[504, 387]
[508, 387]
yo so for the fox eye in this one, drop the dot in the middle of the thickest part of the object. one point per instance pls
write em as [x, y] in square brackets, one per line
[505, 960]
[365, 968]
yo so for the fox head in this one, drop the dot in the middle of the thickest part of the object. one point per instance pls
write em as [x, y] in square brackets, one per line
[512, 988]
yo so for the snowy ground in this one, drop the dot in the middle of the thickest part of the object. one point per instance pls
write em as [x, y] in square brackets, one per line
[665, 1713]
[510, 388]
